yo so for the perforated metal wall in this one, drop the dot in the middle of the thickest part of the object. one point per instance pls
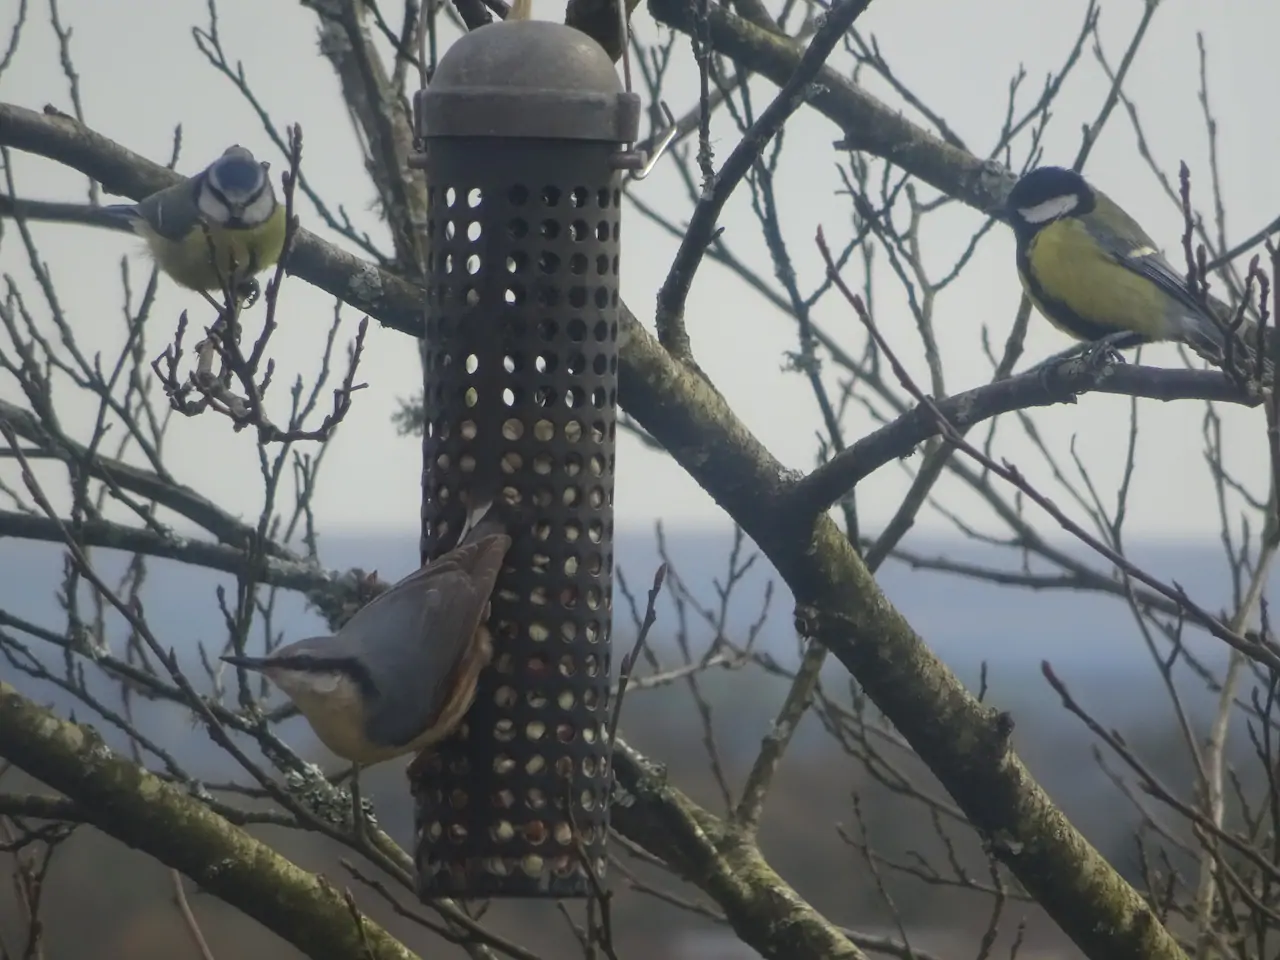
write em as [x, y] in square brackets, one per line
[521, 394]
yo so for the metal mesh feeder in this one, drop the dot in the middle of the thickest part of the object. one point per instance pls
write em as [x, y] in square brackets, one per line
[523, 130]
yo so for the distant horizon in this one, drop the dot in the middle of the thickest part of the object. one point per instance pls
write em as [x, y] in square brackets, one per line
[725, 526]
[966, 619]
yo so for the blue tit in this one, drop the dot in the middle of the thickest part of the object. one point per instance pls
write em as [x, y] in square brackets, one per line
[230, 204]
[1094, 273]
[231, 200]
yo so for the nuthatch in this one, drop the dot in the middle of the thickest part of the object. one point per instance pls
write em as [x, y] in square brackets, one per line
[401, 673]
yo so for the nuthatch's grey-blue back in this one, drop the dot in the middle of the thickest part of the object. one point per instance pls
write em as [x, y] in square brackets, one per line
[401, 673]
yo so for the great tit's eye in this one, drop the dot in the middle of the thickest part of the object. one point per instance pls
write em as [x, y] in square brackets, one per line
[1050, 209]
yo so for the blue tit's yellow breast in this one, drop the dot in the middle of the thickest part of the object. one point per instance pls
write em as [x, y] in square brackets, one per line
[1082, 289]
[191, 259]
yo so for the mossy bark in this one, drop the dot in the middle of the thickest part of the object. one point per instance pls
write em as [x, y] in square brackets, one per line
[128, 803]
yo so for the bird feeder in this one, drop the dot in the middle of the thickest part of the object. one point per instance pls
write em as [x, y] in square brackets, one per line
[524, 130]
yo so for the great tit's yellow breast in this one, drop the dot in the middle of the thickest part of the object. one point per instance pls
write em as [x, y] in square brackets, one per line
[1084, 291]
[188, 259]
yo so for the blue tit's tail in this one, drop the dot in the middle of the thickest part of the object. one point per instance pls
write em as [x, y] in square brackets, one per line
[119, 216]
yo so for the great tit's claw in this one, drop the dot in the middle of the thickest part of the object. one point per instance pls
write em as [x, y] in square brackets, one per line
[1102, 353]
[248, 292]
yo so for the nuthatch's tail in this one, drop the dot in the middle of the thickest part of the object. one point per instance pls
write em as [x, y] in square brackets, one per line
[496, 516]
[481, 520]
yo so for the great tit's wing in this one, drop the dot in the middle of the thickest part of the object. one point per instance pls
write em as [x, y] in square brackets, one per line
[1121, 235]
[1132, 249]
[417, 636]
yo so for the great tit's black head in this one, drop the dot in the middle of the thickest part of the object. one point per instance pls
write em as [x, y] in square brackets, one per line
[235, 190]
[1046, 194]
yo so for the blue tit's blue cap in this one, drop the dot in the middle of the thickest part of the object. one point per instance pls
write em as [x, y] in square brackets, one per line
[237, 171]
[238, 174]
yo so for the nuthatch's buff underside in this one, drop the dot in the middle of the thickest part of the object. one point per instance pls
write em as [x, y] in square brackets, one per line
[401, 673]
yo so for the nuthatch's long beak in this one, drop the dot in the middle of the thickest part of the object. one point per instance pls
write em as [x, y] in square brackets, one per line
[249, 663]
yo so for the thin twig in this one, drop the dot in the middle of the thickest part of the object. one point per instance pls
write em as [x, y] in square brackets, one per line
[188, 917]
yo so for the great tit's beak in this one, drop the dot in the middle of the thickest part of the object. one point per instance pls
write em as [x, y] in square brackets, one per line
[249, 663]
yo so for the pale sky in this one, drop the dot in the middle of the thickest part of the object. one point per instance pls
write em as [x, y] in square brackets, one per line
[141, 75]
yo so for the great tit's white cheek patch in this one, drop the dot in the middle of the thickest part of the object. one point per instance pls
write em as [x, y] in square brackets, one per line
[1050, 209]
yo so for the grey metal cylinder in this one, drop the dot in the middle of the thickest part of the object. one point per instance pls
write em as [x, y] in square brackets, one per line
[521, 130]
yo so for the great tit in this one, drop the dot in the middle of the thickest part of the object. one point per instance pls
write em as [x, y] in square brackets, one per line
[230, 205]
[1094, 273]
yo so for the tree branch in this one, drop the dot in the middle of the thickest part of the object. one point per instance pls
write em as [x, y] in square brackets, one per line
[291, 573]
[868, 124]
[162, 489]
[127, 802]
[764, 911]
[797, 90]
[835, 478]
[964, 743]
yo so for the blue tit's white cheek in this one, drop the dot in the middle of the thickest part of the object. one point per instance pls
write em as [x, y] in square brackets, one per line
[259, 210]
[211, 208]
[1050, 209]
